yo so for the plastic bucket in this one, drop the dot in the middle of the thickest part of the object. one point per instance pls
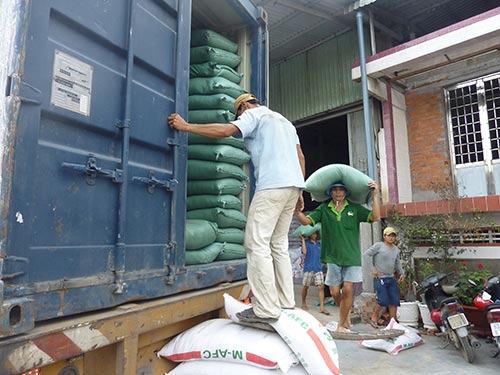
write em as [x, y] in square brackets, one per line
[408, 314]
[426, 316]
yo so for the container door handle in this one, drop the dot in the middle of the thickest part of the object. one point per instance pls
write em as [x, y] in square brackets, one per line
[152, 182]
[92, 171]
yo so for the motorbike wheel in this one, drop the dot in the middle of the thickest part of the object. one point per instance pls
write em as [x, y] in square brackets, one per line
[464, 346]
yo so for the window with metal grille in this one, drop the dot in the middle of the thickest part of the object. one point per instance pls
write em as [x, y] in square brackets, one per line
[473, 113]
[465, 124]
[474, 117]
[492, 94]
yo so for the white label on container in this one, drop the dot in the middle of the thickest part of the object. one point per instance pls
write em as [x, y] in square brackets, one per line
[71, 84]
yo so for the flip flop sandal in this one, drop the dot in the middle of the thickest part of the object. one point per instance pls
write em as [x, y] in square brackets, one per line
[325, 312]
[374, 324]
[248, 316]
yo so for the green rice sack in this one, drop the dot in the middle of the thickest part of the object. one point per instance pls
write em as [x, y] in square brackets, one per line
[212, 170]
[204, 255]
[196, 139]
[199, 233]
[214, 85]
[225, 218]
[195, 202]
[205, 37]
[216, 101]
[231, 251]
[210, 116]
[206, 53]
[224, 153]
[220, 186]
[212, 69]
[355, 181]
[233, 235]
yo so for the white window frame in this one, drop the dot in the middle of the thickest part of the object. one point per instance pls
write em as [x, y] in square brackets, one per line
[488, 167]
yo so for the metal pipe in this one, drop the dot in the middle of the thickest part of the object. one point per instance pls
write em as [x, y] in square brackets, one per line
[373, 43]
[366, 101]
[174, 257]
[119, 258]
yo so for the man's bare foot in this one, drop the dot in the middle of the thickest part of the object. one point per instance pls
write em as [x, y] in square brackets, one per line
[304, 307]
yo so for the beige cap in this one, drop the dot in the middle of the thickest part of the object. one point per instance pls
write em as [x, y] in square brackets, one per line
[243, 98]
[389, 230]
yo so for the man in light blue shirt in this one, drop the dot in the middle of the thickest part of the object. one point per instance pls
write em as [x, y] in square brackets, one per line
[279, 169]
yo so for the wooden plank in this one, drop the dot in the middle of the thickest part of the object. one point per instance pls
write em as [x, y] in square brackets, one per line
[126, 356]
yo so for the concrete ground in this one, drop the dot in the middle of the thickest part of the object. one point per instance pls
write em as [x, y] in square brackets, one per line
[428, 358]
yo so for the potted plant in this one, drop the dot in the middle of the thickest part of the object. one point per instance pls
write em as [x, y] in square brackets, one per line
[467, 292]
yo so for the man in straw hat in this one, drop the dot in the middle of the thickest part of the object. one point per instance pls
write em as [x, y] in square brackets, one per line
[386, 262]
[279, 169]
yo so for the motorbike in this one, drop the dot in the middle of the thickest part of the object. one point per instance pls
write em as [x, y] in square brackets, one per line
[489, 301]
[448, 314]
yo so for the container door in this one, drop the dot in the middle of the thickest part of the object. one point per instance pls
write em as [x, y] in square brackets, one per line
[96, 209]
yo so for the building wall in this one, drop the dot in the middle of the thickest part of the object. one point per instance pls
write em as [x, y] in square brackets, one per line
[316, 81]
[428, 142]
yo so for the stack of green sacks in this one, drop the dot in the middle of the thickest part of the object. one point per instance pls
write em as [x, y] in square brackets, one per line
[215, 173]
[215, 178]
[214, 84]
[200, 242]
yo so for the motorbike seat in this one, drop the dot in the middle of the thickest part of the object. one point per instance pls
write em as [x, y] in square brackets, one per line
[447, 300]
[492, 306]
[450, 289]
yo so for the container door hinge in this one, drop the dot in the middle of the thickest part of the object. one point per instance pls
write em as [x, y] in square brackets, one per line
[122, 124]
[92, 171]
[152, 182]
[169, 264]
[173, 142]
[12, 267]
[17, 87]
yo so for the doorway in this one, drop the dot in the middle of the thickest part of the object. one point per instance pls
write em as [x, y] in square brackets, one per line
[324, 142]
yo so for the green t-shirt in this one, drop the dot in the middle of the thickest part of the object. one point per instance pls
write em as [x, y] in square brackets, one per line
[340, 232]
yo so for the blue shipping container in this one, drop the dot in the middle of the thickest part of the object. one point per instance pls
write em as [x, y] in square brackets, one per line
[92, 188]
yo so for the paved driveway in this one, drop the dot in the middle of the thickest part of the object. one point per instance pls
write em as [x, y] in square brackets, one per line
[429, 358]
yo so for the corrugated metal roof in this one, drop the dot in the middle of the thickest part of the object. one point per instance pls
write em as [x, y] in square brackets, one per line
[293, 25]
[297, 25]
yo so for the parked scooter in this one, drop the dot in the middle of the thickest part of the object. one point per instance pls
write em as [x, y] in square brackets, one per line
[489, 301]
[448, 314]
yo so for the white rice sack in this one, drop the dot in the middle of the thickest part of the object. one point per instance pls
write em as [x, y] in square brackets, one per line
[223, 340]
[393, 346]
[305, 335]
[229, 368]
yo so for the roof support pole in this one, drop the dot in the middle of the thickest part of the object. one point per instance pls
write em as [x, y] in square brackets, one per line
[366, 101]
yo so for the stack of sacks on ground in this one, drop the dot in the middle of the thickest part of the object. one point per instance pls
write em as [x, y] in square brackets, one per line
[301, 345]
[310, 341]
[215, 173]
[220, 346]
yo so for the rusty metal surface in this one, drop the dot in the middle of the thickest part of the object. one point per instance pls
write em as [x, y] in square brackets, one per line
[131, 326]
